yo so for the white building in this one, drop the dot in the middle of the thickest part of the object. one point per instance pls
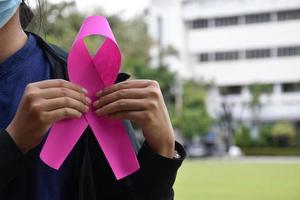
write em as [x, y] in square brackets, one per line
[234, 44]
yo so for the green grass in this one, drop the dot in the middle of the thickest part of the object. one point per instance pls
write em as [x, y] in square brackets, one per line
[225, 180]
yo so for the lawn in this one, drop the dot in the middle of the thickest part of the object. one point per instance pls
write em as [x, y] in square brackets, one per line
[233, 180]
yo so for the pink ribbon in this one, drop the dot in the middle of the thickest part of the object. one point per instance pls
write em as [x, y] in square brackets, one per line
[93, 74]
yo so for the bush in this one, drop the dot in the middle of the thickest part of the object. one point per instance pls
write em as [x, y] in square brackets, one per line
[265, 136]
[283, 134]
[297, 138]
[271, 151]
[242, 137]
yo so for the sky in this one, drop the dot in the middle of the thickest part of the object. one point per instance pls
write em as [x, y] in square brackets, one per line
[127, 8]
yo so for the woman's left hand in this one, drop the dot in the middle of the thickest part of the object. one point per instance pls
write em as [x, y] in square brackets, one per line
[141, 102]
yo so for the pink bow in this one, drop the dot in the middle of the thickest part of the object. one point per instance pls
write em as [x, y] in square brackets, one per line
[93, 74]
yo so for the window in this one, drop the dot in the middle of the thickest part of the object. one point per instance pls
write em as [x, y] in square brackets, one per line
[288, 51]
[230, 90]
[288, 15]
[230, 55]
[249, 19]
[258, 53]
[204, 57]
[250, 54]
[226, 21]
[261, 88]
[291, 87]
[258, 18]
[200, 23]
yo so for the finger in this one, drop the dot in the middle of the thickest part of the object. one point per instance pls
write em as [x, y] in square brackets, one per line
[134, 116]
[54, 83]
[51, 93]
[122, 105]
[64, 102]
[63, 113]
[133, 93]
[123, 85]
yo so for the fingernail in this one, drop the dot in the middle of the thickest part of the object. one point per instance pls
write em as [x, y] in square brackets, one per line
[98, 112]
[96, 103]
[88, 100]
[86, 109]
[84, 90]
[99, 93]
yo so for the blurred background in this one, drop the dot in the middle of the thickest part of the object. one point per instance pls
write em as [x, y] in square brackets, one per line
[230, 74]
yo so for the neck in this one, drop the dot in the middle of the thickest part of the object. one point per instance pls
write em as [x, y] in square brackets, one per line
[12, 38]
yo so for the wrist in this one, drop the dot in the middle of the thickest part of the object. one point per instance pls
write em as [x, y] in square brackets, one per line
[16, 136]
[167, 151]
[163, 146]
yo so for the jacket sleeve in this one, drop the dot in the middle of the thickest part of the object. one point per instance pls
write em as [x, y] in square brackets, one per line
[157, 174]
[12, 161]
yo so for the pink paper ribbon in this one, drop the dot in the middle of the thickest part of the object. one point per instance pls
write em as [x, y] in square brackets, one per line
[93, 74]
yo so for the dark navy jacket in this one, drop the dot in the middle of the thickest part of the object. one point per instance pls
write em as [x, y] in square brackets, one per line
[90, 172]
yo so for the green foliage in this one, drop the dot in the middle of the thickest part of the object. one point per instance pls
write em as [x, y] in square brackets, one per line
[283, 134]
[60, 24]
[194, 118]
[297, 138]
[265, 138]
[57, 23]
[194, 122]
[62, 21]
[242, 137]
[133, 38]
[271, 151]
[255, 103]
[257, 90]
[194, 94]
[93, 43]
[270, 135]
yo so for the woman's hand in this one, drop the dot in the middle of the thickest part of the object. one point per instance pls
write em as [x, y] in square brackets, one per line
[141, 102]
[44, 103]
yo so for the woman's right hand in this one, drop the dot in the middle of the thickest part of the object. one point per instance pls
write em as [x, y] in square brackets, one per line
[44, 103]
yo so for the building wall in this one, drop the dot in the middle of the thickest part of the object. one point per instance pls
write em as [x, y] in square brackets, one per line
[234, 44]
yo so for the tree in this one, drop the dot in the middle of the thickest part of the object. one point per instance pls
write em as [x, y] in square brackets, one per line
[61, 23]
[226, 122]
[194, 118]
[57, 23]
[255, 104]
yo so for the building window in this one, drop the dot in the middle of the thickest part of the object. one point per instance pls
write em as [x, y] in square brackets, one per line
[289, 51]
[226, 21]
[288, 15]
[200, 23]
[204, 57]
[249, 54]
[230, 90]
[258, 53]
[249, 19]
[291, 87]
[258, 18]
[260, 88]
[229, 55]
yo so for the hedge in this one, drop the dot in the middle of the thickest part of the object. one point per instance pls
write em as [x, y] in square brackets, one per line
[271, 151]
